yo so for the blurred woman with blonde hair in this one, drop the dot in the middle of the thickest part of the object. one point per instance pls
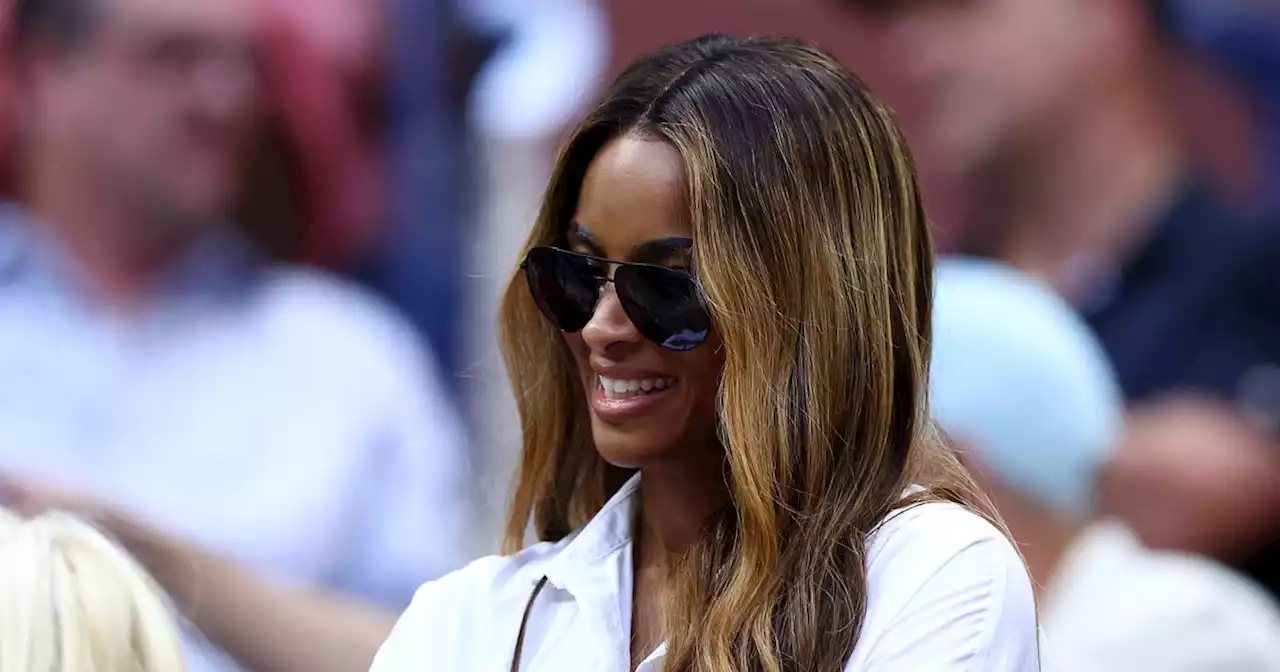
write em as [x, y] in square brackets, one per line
[72, 600]
[719, 343]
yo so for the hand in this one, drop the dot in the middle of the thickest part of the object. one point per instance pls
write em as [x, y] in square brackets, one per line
[29, 497]
[1193, 476]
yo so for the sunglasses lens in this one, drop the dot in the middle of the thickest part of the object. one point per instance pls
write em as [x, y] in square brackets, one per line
[664, 305]
[564, 285]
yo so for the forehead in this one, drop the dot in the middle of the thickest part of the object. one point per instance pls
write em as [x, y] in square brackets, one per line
[233, 17]
[634, 192]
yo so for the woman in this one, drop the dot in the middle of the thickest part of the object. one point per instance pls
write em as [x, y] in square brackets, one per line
[73, 601]
[719, 341]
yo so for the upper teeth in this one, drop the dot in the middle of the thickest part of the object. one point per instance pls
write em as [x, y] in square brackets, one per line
[615, 388]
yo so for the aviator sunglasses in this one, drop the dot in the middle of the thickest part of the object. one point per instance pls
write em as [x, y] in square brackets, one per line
[662, 303]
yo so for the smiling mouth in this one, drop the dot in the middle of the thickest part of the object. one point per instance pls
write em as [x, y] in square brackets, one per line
[618, 388]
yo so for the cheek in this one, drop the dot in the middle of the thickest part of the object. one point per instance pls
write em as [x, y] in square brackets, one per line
[702, 369]
[577, 346]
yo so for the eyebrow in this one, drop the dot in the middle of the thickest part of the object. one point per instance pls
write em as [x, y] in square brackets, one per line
[649, 252]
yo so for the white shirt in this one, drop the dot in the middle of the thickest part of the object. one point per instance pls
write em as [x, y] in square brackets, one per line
[946, 593]
[1115, 606]
[274, 415]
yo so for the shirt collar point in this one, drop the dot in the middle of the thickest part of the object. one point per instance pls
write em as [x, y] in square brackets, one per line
[609, 530]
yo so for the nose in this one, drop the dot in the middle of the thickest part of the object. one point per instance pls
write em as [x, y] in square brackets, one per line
[610, 332]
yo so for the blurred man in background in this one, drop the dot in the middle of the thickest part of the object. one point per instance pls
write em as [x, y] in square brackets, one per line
[1019, 383]
[151, 355]
[1059, 116]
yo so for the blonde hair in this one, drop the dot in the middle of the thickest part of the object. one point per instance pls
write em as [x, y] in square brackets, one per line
[71, 600]
[812, 251]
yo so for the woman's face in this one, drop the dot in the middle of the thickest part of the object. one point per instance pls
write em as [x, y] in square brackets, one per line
[648, 404]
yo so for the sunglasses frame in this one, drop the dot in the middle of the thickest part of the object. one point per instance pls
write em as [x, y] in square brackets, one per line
[617, 264]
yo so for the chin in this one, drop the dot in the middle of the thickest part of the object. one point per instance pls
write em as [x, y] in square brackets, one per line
[632, 448]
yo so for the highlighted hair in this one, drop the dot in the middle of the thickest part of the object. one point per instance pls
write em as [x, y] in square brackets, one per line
[71, 600]
[813, 255]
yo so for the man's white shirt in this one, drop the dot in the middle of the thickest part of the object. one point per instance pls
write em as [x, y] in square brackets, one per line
[274, 415]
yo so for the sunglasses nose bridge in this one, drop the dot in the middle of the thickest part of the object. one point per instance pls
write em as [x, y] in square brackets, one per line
[610, 325]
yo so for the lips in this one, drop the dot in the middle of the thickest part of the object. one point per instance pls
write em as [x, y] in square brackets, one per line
[616, 389]
[616, 400]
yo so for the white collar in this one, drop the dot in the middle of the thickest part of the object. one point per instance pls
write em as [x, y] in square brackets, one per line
[578, 566]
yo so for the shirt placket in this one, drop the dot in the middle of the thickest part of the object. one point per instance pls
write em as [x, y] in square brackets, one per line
[600, 625]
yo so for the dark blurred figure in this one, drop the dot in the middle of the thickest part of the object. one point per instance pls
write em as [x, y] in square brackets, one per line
[1242, 38]
[419, 262]
[1059, 115]
[1020, 384]
[152, 355]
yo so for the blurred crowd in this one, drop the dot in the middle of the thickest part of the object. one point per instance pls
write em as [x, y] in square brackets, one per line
[251, 252]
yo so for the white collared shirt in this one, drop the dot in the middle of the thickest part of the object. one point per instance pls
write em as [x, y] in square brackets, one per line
[1115, 606]
[947, 592]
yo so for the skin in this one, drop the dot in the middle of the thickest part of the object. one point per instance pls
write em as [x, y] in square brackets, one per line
[124, 198]
[1192, 476]
[1053, 115]
[262, 625]
[967, 61]
[633, 194]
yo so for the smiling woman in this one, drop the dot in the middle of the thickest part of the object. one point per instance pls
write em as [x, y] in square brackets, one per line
[631, 231]
[718, 340]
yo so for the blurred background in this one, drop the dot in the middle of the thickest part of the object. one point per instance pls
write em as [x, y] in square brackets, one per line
[1124, 152]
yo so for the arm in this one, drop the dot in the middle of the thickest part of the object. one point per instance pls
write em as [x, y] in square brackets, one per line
[411, 523]
[263, 624]
[407, 526]
[1199, 467]
[1193, 475]
[410, 519]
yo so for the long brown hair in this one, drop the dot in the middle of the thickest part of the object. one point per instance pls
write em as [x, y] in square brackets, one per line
[813, 254]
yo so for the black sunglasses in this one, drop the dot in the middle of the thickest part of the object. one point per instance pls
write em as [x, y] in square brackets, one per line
[661, 302]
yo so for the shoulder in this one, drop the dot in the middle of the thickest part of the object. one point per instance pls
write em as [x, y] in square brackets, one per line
[449, 616]
[1215, 613]
[923, 538]
[323, 322]
[1213, 605]
[329, 307]
[494, 577]
[946, 590]
[1114, 603]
